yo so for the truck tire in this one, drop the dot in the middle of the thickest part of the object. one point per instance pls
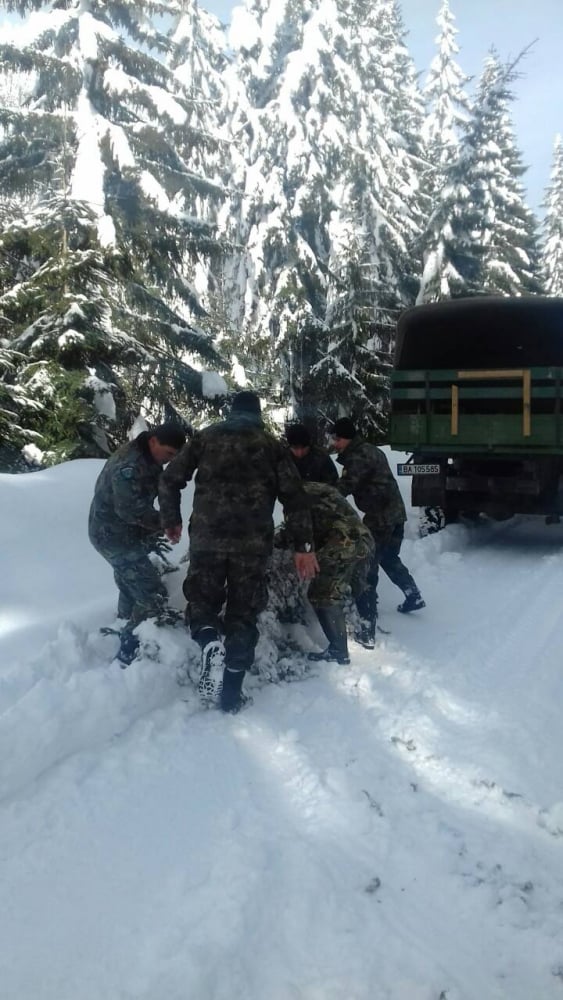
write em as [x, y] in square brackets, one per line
[431, 520]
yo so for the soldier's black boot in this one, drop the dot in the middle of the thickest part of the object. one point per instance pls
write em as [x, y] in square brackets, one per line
[365, 634]
[212, 664]
[128, 649]
[232, 695]
[333, 623]
[366, 605]
[412, 602]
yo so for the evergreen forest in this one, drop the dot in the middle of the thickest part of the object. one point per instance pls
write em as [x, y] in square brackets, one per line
[186, 213]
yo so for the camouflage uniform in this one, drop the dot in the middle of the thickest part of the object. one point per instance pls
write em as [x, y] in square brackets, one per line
[317, 466]
[367, 476]
[241, 470]
[344, 547]
[123, 525]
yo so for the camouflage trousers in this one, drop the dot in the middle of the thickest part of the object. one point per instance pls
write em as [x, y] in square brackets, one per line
[227, 592]
[344, 564]
[142, 593]
[387, 548]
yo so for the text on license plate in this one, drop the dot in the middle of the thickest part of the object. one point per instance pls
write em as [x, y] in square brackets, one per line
[410, 469]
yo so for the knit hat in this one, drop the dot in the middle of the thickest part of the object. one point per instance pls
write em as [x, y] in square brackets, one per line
[169, 434]
[246, 402]
[343, 428]
[297, 436]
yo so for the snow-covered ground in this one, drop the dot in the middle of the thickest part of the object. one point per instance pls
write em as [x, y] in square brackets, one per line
[392, 830]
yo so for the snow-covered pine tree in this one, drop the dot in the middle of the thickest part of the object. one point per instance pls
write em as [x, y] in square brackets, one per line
[352, 376]
[508, 230]
[106, 297]
[269, 122]
[14, 401]
[200, 63]
[404, 116]
[323, 157]
[283, 61]
[375, 222]
[55, 298]
[198, 59]
[448, 111]
[488, 242]
[446, 99]
[495, 230]
[553, 225]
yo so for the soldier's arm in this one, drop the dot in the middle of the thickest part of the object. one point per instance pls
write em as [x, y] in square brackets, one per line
[361, 468]
[131, 502]
[294, 501]
[380, 479]
[328, 472]
[176, 475]
[352, 475]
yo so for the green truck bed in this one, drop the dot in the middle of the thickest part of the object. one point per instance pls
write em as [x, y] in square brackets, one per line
[510, 411]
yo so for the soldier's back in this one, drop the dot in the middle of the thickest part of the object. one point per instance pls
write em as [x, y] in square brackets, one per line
[235, 488]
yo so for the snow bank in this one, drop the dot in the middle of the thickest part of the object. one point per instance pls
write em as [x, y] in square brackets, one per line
[391, 830]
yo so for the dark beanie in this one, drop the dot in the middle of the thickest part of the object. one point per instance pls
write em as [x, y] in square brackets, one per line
[297, 436]
[246, 402]
[170, 434]
[343, 428]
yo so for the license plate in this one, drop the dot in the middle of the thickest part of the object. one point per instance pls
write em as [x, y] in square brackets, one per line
[410, 469]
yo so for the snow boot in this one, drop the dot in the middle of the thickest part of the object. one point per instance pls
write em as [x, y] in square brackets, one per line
[365, 634]
[128, 649]
[366, 606]
[412, 602]
[333, 624]
[232, 697]
[212, 665]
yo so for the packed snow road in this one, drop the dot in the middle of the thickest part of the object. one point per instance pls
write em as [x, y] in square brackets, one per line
[388, 831]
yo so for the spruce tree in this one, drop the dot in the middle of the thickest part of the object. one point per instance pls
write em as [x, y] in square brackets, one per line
[198, 60]
[352, 376]
[553, 225]
[446, 99]
[375, 222]
[200, 63]
[497, 241]
[332, 149]
[506, 227]
[108, 305]
[485, 239]
[284, 206]
[447, 114]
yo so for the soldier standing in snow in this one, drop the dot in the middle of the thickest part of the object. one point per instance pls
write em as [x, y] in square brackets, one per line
[367, 476]
[314, 464]
[123, 522]
[241, 470]
[344, 549]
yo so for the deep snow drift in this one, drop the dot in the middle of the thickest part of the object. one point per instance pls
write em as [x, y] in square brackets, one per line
[388, 831]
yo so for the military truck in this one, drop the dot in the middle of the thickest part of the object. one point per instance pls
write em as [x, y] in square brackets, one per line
[476, 400]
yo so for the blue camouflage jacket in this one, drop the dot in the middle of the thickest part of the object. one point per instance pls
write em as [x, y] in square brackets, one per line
[122, 512]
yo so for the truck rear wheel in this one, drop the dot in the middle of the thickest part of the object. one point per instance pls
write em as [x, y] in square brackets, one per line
[433, 519]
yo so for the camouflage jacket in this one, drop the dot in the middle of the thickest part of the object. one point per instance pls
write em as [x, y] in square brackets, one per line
[122, 511]
[367, 476]
[332, 515]
[317, 466]
[241, 470]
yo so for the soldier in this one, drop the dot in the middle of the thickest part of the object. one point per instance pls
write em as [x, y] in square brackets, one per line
[314, 464]
[241, 470]
[123, 522]
[344, 549]
[369, 479]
